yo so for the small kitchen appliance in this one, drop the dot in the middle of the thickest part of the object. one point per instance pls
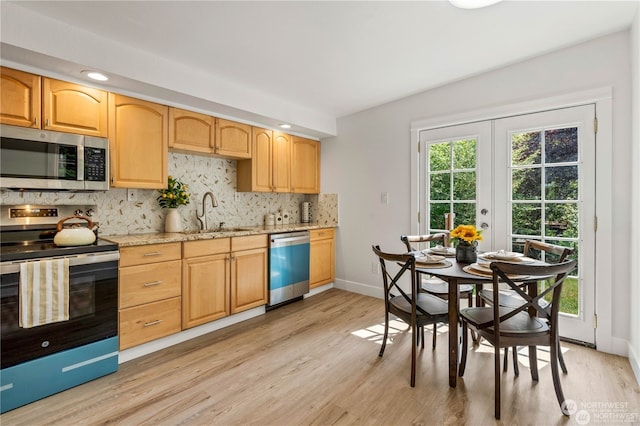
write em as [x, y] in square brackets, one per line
[306, 212]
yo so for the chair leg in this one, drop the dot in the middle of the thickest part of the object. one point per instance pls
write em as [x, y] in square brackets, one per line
[386, 333]
[414, 333]
[463, 357]
[506, 359]
[561, 359]
[433, 339]
[556, 377]
[496, 373]
[422, 336]
[516, 370]
[474, 336]
[533, 363]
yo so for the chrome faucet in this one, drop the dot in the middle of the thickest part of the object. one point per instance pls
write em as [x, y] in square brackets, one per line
[214, 203]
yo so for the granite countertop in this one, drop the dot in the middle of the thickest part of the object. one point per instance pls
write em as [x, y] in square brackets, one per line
[176, 237]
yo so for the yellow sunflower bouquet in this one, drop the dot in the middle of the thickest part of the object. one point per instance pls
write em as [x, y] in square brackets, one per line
[466, 233]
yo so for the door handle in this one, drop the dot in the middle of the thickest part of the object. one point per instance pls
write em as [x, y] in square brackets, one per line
[484, 225]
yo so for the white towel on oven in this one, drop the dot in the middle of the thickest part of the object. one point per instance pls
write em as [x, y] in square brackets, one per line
[44, 292]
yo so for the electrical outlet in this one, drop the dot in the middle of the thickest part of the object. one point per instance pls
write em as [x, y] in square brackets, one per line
[132, 194]
[384, 198]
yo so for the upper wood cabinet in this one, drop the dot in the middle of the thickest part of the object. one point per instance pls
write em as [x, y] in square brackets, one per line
[191, 131]
[72, 108]
[269, 169]
[305, 166]
[138, 142]
[32, 101]
[20, 100]
[233, 140]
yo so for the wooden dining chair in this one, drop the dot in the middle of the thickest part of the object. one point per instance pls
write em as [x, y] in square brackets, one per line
[549, 253]
[528, 324]
[434, 285]
[414, 307]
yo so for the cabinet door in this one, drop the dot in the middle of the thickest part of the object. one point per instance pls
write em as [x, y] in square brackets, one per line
[233, 139]
[72, 108]
[205, 289]
[138, 142]
[20, 98]
[281, 162]
[322, 261]
[191, 131]
[305, 166]
[248, 279]
[261, 160]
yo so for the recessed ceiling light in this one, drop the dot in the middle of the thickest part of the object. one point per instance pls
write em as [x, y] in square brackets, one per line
[94, 75]
[285, 126]
[473, 4]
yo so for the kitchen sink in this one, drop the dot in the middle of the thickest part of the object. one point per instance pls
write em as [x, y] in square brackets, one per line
[216, 230]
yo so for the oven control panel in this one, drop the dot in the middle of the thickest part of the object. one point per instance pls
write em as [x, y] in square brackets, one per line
[33, 212]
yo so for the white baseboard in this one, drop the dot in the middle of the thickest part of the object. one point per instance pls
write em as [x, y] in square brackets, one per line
[354, 287]
[634, 360]
[183, 336]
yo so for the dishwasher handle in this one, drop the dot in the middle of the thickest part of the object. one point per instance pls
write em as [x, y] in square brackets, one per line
[290, 239]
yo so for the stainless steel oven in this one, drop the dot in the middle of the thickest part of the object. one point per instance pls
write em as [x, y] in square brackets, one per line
[46, 359]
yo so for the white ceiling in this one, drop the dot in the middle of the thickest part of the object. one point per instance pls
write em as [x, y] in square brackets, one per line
[332, 57]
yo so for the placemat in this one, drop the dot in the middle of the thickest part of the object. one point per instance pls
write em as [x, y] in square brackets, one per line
[469, 270]
[443, 264]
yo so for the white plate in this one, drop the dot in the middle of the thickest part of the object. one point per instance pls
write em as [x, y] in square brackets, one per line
[502, 255]
[444, 251]
[481, 268]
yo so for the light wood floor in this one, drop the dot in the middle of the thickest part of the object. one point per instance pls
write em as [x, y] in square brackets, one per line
[315, 362]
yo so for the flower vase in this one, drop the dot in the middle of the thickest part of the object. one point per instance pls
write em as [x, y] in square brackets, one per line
[173, 221]
[466, 252]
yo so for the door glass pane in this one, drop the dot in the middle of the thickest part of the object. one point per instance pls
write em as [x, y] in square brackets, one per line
[440, 186]
[562, 183]
[526, 184]
[561, 145]
[452, 182]
[548, 174]
[464, 185]
[526, 148]
[526, 219]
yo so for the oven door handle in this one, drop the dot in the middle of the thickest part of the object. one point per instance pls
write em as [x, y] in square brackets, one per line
[76, 260]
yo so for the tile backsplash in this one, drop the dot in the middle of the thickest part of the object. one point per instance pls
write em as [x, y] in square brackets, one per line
[117, 216]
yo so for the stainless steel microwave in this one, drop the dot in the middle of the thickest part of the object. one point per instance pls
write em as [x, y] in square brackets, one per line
[32, 159]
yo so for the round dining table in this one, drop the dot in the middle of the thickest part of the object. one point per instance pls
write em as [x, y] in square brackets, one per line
[453, 272]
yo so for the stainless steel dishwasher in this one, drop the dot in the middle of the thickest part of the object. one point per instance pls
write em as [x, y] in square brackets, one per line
[288, 267]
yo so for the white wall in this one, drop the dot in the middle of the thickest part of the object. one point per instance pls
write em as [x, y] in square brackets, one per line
[371, 155]
[634, 300]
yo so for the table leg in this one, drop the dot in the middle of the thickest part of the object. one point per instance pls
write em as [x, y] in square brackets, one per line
[454, 344]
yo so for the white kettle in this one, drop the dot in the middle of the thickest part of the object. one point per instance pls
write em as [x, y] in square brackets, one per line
[77, 235]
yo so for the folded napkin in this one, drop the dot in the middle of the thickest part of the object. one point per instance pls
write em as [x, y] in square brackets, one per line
[44, 292]
[427, 258]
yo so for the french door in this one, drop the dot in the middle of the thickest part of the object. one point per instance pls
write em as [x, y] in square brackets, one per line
[524, 177]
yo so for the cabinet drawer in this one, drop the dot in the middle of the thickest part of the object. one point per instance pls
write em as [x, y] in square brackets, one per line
[249, 242]
[151, 253]
[149, 322]
[321, 234]
[149, 283]
[206, 247]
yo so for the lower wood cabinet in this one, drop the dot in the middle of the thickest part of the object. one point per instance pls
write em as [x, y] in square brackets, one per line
[321, 257]
[223, 276]
[205, 281]
[149, 296]
[149, 322]
[249, 258]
